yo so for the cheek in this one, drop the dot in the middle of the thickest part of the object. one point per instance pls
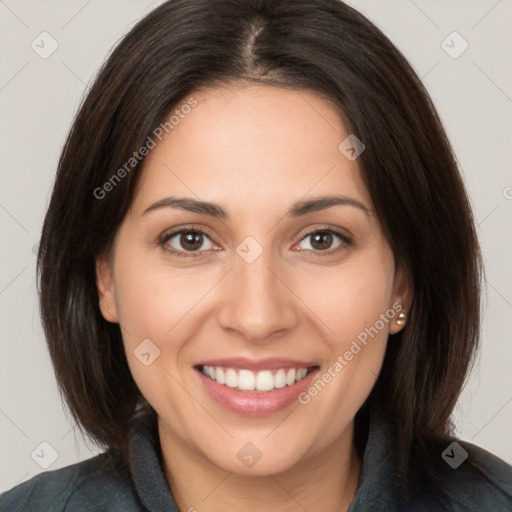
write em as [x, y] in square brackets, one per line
[352, 297]
[355, 310]
[164, 305]
[152, 307]
[153, 299]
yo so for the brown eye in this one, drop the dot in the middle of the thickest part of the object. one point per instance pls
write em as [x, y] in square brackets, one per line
[322, 240]
[186, 241]
[191, 240]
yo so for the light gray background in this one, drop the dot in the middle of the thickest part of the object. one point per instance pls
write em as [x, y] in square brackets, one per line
[38, 99]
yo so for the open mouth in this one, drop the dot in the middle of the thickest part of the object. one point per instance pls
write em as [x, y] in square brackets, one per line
[255, 381]
[255, 387]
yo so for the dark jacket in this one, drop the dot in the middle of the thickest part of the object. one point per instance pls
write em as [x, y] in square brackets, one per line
[99, 485]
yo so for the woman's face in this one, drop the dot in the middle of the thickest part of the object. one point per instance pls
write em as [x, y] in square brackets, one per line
[278, 282]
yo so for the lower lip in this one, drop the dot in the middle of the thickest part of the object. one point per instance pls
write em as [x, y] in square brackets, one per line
[255, 404]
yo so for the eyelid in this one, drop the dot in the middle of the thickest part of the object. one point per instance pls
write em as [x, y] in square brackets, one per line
[164, 238]
[346, 240]
[342, 233]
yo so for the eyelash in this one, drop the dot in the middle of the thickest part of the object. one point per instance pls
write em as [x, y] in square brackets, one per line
[346, 242]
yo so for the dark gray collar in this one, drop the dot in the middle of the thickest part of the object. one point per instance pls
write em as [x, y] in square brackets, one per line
[146, 466]
[378, 485]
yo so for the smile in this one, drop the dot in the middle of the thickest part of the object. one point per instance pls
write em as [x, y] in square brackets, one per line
[248, 380]
[255, 388]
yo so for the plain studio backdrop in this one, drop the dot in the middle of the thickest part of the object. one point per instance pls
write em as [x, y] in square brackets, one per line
[51, 51]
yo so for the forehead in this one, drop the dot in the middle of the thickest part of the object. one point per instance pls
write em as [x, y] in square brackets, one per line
[248, 144]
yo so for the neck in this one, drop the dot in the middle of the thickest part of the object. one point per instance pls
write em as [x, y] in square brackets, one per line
[324, 482]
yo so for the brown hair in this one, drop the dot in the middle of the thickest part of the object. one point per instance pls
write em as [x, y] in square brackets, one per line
[408, 167]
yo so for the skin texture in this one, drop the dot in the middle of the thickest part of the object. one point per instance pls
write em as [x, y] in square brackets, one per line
[254, 150]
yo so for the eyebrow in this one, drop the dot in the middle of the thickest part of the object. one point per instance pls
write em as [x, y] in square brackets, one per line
[298, 209]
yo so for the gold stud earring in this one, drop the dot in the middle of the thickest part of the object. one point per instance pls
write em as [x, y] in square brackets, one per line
[401, 319]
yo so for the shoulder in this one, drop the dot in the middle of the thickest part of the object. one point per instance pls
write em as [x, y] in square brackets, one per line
[93, 484]
[483, 484]
[472, 479]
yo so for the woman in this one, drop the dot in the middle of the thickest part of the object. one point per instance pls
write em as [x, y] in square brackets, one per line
[259, 274]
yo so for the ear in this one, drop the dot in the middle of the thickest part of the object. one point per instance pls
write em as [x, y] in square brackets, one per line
[402, 294]
[106, 291]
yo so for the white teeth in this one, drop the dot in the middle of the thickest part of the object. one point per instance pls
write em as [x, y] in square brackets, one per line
[301, 373]
[290, 376]
[264, 381]
[247, 380]
[219, 375]
[231, 378]
[280, 379]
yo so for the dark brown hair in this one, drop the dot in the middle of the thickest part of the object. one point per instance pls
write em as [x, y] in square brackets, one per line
[408, 167]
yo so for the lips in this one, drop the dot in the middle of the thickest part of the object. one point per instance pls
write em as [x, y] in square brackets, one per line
[257, 365]
[255, 387]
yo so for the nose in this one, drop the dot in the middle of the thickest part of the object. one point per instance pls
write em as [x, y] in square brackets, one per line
[259, 300]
